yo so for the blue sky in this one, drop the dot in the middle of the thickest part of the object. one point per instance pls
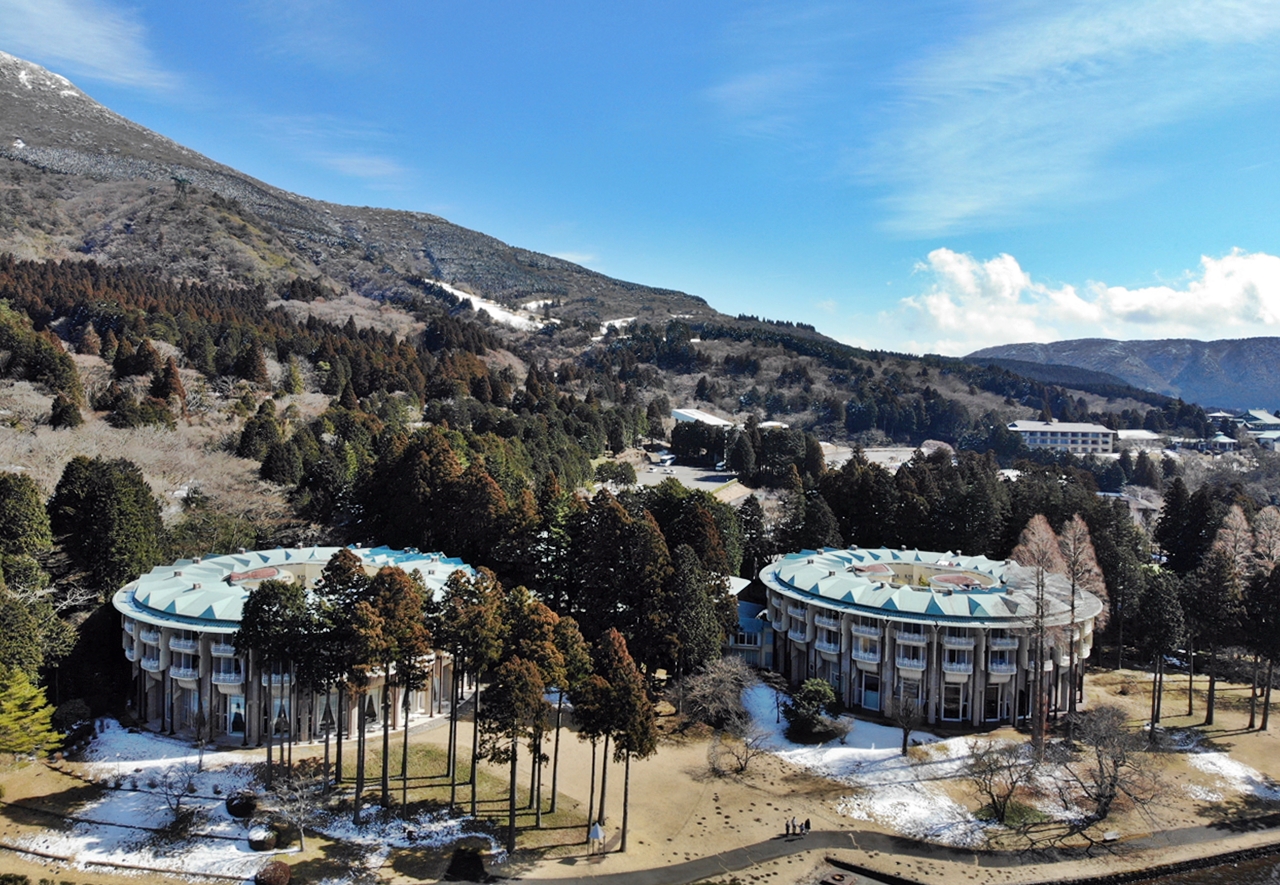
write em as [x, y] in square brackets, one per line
[923, 176]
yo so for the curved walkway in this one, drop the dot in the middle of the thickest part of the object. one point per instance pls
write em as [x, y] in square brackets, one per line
[747, 856]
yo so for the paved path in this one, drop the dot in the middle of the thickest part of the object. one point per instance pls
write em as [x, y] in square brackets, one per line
[747, 856]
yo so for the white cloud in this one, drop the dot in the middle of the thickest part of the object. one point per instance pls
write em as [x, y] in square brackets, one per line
[369, 167]
[91, 38]
[971, 304]
[1027, 110]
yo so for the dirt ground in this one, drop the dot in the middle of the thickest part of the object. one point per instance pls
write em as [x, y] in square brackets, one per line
[679, 811]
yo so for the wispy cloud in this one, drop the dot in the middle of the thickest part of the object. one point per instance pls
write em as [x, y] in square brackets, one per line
[325, 34]
[1030, 110]
[970, 304]
[90, 38]
[348, 147]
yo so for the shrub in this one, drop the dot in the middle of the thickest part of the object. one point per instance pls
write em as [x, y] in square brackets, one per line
[242, 804]
[275, 873]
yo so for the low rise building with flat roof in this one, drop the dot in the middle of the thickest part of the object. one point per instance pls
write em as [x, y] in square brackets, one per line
[692, 415]
[1066, 436]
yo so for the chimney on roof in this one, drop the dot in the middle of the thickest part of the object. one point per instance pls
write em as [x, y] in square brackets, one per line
[178, 573]
[195, 586]
[241, 550]
[196, 560]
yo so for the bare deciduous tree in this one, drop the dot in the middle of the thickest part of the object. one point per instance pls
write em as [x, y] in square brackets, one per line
[997, 770]
[1110, 765]
[1081, 568]
[714, 696]
[907, 714]
[1038, 550]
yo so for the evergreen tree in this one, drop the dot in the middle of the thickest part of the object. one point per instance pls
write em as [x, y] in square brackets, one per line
[513, 702]
[1213, 596]
[25, 716]
[65, 413]
[1161, 629]
[632, 723]
[757, 546]
[699, 631]
[24, 522]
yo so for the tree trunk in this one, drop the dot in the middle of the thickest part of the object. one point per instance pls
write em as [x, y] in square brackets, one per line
[1155, 694]
[626, 802]
[475, 754]
[555, 754]
[269, 725]
[1160, 696]
[453, 739]
[339, 722]
[1119, 643]
[1213, 684]
[386, 738]
[604, 780]
[1266, 697]
[1253, 695]
[591, 793]
[355, 817]
[404, 754]
[1191, 677]
[511, 798]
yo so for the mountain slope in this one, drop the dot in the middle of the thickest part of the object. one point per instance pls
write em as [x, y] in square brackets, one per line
[1229, 373]
[81, 179]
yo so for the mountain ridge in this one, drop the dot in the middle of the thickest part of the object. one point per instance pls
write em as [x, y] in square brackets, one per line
[1235, 373]
[53, 126]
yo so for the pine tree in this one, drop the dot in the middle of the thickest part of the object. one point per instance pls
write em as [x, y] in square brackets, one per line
[25, 716]
[1161, 629]
[633, 725]
[65, 413]
[513, 702]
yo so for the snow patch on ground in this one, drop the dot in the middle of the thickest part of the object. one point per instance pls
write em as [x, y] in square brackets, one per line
[1236, 775]
[524, 320]
[893, 790]
[114, 827]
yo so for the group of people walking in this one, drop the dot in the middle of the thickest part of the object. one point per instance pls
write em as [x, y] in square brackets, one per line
[797, 829]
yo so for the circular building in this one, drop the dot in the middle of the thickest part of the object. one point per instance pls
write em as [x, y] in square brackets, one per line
[179, 620]
[955, 634]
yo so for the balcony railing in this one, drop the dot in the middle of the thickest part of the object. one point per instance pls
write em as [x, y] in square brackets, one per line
[188, 673]
[187, 645]
[910, 663]
[151, 665]
[1003, 642]
[867, 657]
[222, 650]
[277, 679]
[827, 621]
[871, 631]
[965, 667]
[220, 678]
[949, 641]
[798, 635]
[797, 611]
[150, 636]
[131, 654]
[831, 648]
[128, 627]
[1002, 668]
[906, 637]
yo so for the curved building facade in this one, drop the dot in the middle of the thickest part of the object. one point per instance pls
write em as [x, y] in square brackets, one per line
[178, 624]
[955, 634]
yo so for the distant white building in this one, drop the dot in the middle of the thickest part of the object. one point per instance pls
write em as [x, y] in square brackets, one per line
[699, 416]
[1065, 436]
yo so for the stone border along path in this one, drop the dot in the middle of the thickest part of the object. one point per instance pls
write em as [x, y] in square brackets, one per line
[746, 856]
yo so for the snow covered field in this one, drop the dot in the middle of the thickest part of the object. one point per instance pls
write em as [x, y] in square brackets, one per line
[896, 791]
[117, 828]
[905, 794]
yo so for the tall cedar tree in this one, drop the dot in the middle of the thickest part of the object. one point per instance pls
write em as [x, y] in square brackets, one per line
[1263, 610]
[273, 617]
[343, 583]
[513, 704]
[1038, 550]
[531, 636]
[468, 625]
[577, 668]
[1214, 594]
[633, 726]
[1161, 628]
